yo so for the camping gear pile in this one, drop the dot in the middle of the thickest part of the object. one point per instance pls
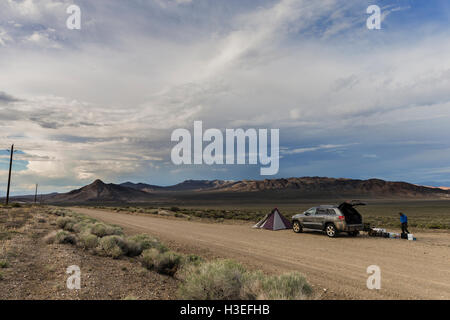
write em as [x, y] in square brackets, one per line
[379, 232]
[274, 221]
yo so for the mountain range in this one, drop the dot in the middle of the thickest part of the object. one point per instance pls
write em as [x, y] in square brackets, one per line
[287, 189]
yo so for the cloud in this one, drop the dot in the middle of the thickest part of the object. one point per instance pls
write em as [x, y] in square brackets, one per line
[4, 37]
[333, 147]
[7, 98]
[102, 101]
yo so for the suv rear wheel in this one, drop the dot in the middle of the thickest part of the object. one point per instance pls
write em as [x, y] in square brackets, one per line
[297, 227]
[331, 231]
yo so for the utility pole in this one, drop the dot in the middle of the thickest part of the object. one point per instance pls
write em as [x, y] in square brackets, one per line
[35, 194]
[9, 176]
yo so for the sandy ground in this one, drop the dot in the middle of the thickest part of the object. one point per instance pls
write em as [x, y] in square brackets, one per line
[335, 267]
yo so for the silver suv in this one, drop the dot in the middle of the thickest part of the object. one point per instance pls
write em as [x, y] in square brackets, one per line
[330, 218]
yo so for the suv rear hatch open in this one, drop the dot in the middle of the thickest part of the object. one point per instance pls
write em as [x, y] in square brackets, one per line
[352, 216]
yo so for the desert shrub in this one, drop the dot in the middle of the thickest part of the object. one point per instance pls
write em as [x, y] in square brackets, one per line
[290, 286]
[69, 226]
[168, 263]
[174, 209]
[82, 227]
[58, 212]
[113, 230]
[3, 264]
[63, 221]
[193, 259]
[64, 237]
[116, 246]
[88, 241]
[113, 246]
[132, 248]
[144, 240]
[228, 280]
[99, 229]
[216, 280]
[16, 205]
[102, 230]
[149, 257]
[148, 242]
[162, 262]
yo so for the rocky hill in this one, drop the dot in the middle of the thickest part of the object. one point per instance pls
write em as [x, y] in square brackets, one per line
[289, 189]
[98, 191]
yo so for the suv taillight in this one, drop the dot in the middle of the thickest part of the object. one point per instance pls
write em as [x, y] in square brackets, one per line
[341, 218]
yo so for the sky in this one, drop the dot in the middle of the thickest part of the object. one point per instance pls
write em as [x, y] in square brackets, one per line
[102, 102]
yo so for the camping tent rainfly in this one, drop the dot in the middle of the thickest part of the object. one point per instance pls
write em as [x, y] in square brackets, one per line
[274, 221]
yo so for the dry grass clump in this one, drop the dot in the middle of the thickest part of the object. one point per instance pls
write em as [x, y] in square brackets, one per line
[88, 241]
[167, 262]
[147, 242]
[149, 257]
[82, 226]
[57, 212]
[290, 286]
[66, 223]
[132, 247]
[229, 280]
[113, 246]
[65, 237]
[101, 230]
[215, 280]
[193, 260]
[116, 246]
[157, 257]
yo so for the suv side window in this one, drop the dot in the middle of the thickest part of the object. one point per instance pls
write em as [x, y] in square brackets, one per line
[310, 212]
[321, 212]
[331, 212]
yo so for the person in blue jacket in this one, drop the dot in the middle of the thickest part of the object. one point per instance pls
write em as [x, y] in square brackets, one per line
[404, 222]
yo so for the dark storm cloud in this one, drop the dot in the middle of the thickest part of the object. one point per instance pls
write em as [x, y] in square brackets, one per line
[6, 98]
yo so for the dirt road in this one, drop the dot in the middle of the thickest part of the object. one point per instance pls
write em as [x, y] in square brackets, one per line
[409, 269]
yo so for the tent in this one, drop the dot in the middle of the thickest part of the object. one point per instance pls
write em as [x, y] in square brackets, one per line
[274, 221]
